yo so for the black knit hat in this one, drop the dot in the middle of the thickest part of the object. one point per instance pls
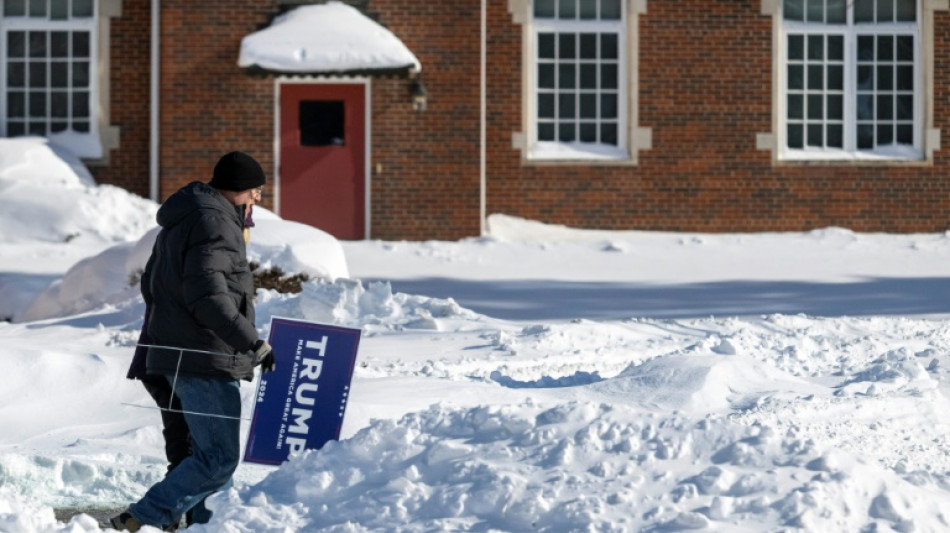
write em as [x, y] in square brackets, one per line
[237, 171]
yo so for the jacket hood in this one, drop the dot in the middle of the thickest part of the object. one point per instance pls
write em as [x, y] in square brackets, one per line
[193, 197]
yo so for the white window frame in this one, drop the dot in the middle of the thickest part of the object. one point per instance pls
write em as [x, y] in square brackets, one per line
[630, 138]
[87, 145]
[578, 149]
[926, 137]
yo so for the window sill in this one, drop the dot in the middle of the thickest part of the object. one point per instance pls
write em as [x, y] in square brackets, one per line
[885, 155]
[577, 152]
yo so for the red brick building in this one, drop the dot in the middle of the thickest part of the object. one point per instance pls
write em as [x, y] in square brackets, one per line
[693, 115]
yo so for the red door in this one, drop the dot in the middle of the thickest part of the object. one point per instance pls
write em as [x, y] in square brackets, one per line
[322, 157]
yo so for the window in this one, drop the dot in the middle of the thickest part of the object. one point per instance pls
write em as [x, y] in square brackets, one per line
[48, 82]
[851, 80]
[578, 73]
[322, 123]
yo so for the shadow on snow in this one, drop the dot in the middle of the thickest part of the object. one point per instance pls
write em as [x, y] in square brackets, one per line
[564, 300]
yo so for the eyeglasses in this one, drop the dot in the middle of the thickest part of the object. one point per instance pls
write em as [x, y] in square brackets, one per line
[257, 193]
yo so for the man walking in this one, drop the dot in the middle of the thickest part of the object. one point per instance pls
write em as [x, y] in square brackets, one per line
[200, 293]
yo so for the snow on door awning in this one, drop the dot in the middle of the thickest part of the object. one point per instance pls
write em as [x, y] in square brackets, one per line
[326, 39]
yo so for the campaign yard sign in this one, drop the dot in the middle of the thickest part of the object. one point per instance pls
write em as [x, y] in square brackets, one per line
[299, 406]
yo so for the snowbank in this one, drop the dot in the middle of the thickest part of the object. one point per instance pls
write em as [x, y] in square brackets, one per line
[54, 215]
[348, 303]
[22, 514]
[577, 467]
[49, 196]
[111, 277]
[295, 248]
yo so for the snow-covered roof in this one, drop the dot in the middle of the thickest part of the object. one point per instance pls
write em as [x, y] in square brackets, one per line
[326, 38]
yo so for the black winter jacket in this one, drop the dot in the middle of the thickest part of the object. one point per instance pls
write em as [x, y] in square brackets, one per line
[199, 288]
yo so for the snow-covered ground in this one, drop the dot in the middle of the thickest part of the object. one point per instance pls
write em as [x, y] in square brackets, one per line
[538, 379]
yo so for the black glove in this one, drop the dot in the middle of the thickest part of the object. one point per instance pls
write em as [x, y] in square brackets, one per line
[264, 356]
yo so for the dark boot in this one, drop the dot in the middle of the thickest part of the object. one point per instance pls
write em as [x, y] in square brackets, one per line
[125, 522]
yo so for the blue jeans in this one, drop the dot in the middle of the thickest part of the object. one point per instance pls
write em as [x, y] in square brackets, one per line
[215, 454]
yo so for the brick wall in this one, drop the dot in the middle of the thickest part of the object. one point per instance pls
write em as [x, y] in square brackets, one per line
[209, 106]
[428, 187]
[705, 92]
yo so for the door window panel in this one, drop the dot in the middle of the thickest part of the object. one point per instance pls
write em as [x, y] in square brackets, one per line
[322, 123]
